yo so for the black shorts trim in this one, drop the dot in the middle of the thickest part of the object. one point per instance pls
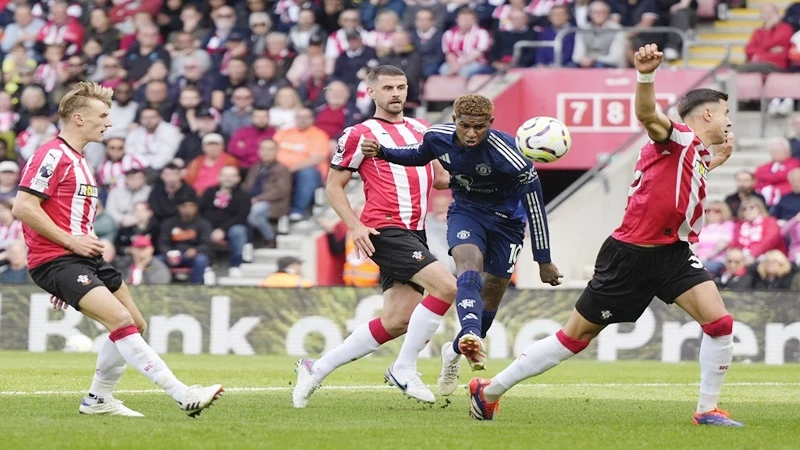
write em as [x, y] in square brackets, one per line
[627, 278]
[71, 277]
[32, 192]
[400, 254]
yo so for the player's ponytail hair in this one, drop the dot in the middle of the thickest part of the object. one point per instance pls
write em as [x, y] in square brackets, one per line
[80, 95]
[473, 105]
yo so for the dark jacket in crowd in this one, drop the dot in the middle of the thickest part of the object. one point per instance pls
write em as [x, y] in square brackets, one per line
[222, 211]
[178, 235]
[165, 206]
[271, 184]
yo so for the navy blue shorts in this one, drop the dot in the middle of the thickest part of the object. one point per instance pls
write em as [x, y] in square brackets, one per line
[500, 243]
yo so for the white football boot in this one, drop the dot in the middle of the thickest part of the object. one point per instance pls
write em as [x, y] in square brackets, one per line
[197, 398]
[306, 383]
[413, 387]
[108, 406]
[448, 377]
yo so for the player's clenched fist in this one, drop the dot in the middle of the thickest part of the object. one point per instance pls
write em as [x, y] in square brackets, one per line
[647, 58]
[370, 148]
[550, 274]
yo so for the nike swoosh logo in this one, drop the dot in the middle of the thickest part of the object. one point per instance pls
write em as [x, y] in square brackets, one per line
[402, 387]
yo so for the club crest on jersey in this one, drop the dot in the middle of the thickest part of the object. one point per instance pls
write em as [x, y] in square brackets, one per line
[86, 190]
[463, 234]
[84, 280]
[483, 169]
[417, 255]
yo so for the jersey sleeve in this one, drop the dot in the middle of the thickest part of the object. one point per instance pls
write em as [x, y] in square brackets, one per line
[680, 137]
[348, 154]
[43, 172]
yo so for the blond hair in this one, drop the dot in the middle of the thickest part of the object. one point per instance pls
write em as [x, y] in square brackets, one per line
[777, 256]
[79, 96]
[724, 209]
[473, 105]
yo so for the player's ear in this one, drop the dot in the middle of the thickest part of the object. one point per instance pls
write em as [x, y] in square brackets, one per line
[77, 118]
[491, 120]
[454, 118]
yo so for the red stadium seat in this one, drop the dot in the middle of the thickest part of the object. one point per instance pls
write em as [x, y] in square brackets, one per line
[783, 85]
[475, 82]
[443, 88]
[749, 86]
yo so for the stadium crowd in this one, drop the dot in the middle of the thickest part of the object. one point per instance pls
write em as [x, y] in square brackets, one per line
[226, 113]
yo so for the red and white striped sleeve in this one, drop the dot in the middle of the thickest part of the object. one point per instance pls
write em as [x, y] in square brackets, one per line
[348, 154]
[42, 172]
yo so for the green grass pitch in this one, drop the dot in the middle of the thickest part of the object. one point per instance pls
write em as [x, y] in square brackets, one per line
[577, 405]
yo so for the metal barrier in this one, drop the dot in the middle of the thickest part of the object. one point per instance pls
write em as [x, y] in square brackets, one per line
[558, 42]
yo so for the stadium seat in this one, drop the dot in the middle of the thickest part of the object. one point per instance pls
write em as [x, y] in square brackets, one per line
[476, 82]
[749, 86]
[440, 88]
[782, 85]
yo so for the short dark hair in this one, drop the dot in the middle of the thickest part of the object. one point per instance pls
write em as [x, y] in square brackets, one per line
[699, 97]
[385, 70]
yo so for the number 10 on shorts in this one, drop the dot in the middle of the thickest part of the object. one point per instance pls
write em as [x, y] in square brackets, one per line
[513, 255]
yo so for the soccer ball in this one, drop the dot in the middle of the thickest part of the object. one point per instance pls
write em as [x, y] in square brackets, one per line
[543, 139]
[78, 343]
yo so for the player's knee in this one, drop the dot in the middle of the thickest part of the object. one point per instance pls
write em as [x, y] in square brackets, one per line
[445, 292]
[395, 326]
[120, 318]
[720, 327]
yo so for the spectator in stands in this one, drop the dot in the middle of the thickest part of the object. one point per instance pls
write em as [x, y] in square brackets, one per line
[314, 87]
[113, 170]
[226, 207]
[156, 94]
[356, 57]
[245, 141]
[772, 177]
[169, 17]
[141, 268]
[8, 119]
[32, 100]
[579, 11]
[328, 14]
[23, 30]
[436, 8]
[503, 48]
[357, 271]
[380, 38]
[17, 64]
[465, 47]
[734, 270]
[238, 115]
[40, 130]
[53, 72]
[181, 48]
[304, 30]
[283, 113]
[638, 14]
[145, 226]
[16, 272]
[768, 47]
[252, 8]
[789, 204]
[502, 13]
[269, 185]
[144, 52]
[405, 56]
[288, 275]
[192, 144]
[9, 180]
[436, 230]
[166, 193]
[110, 74]
[680, 14]
[260, 26]
[123, 110]
[236, 48]
[773, 272]
[266, 82]
[745, 187]
[426, 36]
[203, 172]
[757, 232]
[338, 43]
[278, 50]
[102, 30]
[10, 230]
[104, 225]
[600, 49]
[559, 19]
[185, 115]
[304, 150]
[337, 113]
[155, 142]
[540, 11]
[225, 85]
[62, 29]
[121, 199]
[193, 23]
[196, 72]
[224, 19]
[794, 141]
[184, 240]
[791, 233]
[717, 234]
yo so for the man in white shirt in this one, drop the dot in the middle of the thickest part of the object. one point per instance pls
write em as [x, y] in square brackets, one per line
[155, 142]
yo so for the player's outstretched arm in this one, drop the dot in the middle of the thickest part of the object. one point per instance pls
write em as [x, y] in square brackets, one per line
[412, 155]
[28, 209]
[658, 126]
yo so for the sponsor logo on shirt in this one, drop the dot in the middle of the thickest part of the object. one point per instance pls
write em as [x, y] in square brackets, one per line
[86, 190]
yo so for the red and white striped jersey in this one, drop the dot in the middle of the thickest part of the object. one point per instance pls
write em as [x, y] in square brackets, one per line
[61, 176]
[397, 196]
[666, 201]
[463, 43]
[10, 233]
[112, 173]
[47, 76]
[337, 42]
[541, 8]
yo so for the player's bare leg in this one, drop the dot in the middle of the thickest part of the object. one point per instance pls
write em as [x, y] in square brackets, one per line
[538, 358]
[110, 367]
[705, 305]
[101, 305]
[469, 304]
[398, 304]
[494, 288]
